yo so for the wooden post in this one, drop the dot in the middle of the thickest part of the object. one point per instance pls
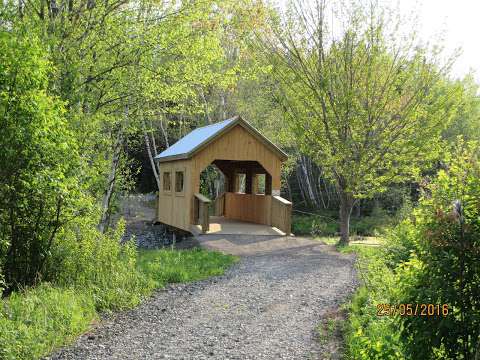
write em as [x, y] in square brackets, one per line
[268, 184]
[203, 214]
[282, 214]
[205, 218]
[255, 184]
[248, 181]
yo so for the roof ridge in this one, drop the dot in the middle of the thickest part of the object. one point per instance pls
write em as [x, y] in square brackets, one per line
[229, 119]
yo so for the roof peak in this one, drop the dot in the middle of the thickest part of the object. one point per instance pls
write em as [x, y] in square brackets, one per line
[202, 136]
[216, 123]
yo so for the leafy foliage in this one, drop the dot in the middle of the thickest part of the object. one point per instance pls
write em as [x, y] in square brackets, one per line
[98, 263]
[430, 259]
[368, 335]
[363, 104]
[446, 268]
[38, 161]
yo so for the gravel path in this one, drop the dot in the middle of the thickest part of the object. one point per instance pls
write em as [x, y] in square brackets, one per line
[265, 307]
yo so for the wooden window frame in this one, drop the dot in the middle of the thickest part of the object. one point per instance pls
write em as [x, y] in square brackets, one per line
[166, 192]
[184, 171]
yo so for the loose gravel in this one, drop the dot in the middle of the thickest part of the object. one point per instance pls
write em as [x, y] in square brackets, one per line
[265, 307]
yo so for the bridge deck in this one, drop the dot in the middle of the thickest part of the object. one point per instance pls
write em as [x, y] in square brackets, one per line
[222, 226]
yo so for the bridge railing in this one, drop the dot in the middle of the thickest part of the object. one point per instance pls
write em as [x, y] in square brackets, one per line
[202, 217]
[282, 214]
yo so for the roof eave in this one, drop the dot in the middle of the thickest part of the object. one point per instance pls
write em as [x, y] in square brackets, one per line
[173, 157]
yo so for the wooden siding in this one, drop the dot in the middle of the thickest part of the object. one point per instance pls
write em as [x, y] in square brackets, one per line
[174, 208]
[248, 207]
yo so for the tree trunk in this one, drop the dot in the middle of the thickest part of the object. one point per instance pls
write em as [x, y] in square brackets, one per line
[205, 105]
[223, 106]
[152, 160]
[346, 206]
[359, 208]
[305, 183]
[164, 133]
[102, 226]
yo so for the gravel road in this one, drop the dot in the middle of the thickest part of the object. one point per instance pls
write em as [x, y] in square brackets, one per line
[267, 306]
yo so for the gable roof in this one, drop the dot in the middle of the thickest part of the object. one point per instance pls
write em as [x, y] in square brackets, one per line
[199, 138]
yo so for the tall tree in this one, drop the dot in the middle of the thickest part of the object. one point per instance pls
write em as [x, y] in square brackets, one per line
[364, 102]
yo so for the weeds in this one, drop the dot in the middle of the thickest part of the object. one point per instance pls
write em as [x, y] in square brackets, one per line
[35, 321]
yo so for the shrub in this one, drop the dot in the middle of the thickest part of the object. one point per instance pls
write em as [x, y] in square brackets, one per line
[446, 268]
[38, 161]
[97, 263]
[35, 321]
[400, 242]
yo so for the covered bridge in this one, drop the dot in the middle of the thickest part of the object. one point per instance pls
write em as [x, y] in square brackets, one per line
[243, 155]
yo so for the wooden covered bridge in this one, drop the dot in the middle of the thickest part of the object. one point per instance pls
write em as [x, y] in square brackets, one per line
[243, 155]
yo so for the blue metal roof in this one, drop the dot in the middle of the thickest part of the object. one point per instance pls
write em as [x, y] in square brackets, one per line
[194, 139]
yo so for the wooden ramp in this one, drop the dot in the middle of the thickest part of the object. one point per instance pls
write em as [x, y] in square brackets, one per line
[222, 226]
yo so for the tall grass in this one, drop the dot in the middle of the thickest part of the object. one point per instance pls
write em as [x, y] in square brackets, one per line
[368, 335]
[36, 321]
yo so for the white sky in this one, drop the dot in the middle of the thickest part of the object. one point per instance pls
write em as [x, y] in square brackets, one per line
[458, 21]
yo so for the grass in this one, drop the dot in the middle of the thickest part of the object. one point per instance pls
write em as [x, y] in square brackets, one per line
[327, 224]
[367, 335]
[355, 325]
[36, 321]
[167, 266]
[357, 243]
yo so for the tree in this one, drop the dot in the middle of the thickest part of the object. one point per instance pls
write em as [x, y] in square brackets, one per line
[199, 60]
[364, 103]
[38, 163]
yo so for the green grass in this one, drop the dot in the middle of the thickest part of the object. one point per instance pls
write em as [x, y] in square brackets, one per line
[36, 321]
[327, 225]
[357, 243]
[367, 335]
[167, 266]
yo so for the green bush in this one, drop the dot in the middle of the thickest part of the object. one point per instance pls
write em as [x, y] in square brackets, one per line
[35, 321]
[446, 265]
[38, 161]
[98, 263]
[400, 242]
